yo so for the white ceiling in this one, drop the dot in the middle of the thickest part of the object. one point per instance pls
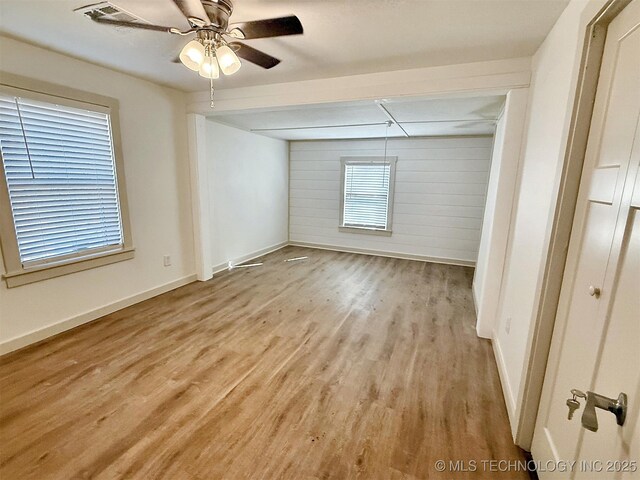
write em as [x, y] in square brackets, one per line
[365, 119]
[342, 37]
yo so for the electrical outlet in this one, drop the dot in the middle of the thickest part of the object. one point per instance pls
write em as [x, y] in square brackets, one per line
[507, 325]
[167, 260]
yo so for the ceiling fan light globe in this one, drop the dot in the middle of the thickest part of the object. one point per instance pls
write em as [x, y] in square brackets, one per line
[228, 60]
[209, 68]
[192, 55]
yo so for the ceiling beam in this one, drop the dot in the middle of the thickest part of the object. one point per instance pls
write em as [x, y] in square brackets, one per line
[495, 77]
[313, 127]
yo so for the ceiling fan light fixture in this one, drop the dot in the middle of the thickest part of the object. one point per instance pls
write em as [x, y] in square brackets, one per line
[192, 55]
[209, 68]
[228, 60]
[213, 50]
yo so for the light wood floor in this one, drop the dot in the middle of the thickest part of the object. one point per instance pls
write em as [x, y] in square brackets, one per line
[341, 366]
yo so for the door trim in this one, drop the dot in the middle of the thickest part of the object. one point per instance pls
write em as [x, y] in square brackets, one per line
[589, 73]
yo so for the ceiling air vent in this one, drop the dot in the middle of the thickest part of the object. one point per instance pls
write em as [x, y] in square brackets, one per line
[108, 11]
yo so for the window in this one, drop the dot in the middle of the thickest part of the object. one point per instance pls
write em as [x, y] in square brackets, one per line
[367, 194]
[62, 184]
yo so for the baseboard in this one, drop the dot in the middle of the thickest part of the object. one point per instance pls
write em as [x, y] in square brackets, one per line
[381, 253]
[481, 331]
[51, 330]
[220, 268]
[475, 298]
[249, 256]
[506, 390]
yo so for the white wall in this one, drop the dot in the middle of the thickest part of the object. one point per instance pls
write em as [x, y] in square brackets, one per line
[248, 193]
[555, 69]
[154, 143]
[439, 196]
[503, 179]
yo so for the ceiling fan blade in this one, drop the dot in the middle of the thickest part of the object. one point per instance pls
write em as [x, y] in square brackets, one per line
[192, 9]
[273, 27]
[254, 56]
[141, 26]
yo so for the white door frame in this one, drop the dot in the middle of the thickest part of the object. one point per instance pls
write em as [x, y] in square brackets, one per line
[591, 59]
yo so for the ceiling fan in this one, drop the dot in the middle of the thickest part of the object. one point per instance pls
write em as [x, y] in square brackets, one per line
[216, 47]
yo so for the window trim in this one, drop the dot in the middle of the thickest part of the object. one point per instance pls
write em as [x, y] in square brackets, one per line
[15, 273]
[391, 160]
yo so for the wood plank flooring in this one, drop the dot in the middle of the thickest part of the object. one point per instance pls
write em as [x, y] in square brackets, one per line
[336, 367]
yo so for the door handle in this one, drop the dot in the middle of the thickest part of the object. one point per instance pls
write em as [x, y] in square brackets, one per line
[594, 291]
[617, 406]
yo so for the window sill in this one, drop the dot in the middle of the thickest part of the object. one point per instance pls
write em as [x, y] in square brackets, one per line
[365, 230]
[44, 272]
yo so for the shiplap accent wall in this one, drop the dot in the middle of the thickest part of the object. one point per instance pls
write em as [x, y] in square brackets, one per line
[440, 191]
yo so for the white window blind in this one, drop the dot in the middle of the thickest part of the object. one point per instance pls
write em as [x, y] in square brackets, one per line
[366, 195]
[59, 167]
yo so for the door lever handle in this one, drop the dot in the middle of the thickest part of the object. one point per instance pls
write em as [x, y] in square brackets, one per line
[594, 400]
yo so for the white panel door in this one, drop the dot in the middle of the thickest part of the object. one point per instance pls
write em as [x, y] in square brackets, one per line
[596, 340]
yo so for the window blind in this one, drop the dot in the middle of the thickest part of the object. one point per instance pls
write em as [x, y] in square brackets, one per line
[59, 167]
[366, 194]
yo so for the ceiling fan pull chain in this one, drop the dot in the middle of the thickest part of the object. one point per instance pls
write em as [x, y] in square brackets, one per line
[386, 140]
[211, 92]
